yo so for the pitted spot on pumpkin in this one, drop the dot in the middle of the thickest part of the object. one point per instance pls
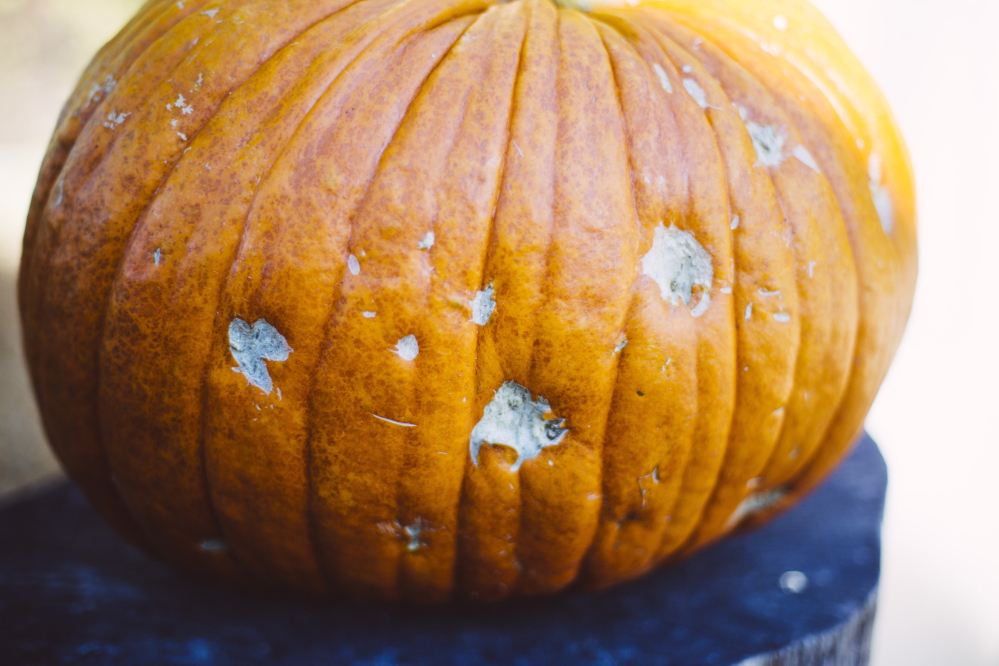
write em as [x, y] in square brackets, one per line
[427, 242]
[213, 545]
[99, 91]
[754, 504]
[252, 345]
[678, 263]
[697, 92]
[805, 157]
[513, 419]
[880, 194]
[768, 143]
[483, 305]
[407, 348]
[663, 79]
[413, 533]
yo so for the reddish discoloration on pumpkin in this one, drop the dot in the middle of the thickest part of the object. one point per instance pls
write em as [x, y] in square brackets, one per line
[289, 163]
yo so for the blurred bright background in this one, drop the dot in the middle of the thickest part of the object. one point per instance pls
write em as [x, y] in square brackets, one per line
[937, 417]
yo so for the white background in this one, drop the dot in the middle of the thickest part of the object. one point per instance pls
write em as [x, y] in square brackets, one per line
[937, 417]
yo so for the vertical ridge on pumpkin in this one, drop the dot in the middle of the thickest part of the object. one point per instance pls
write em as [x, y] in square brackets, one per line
[821, 366]
[173, 310]
[768, 352]
[833, 147]
[466, 184]
[591, 266]
[356, 357]
[490, 505]
[93, 476]
[649, 427]
[263, 488]
[704, 210]
[828, 320]
[66, 363]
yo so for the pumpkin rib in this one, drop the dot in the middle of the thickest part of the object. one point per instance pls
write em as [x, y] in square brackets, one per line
[195, 555]
[584, 314]
[429, 486]
[757, 98]
[698, 475]
[231, 469]
[44, 277]
[529, 8]
[804, 374]
[852, 197]
[516, 261]
[766, 350]
[331, 478]
[273, 241]
[604, 561]
[73, 118]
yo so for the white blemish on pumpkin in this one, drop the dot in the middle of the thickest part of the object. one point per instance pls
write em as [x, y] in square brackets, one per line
[782, 317]
[212, 545]
[749, 313]
[793, 582]
[101, 91]
[768, 144]
[780, 22]
[514, 420]
[413, 532]
[407, 348]
[697, 43]
[766, 292]
[174, 123]
[726, 290]
[252, 345]
[519, 151]
[197, 84]
[677, 263]
[353, 265]
[279, 394]
[210, 13]
[368, 314]
[181, 104]
[594, 496]
[743, 114]
[653, 476]
[427, 242]
[695, 91]
[754, 504]
[115, 119]
[551, 463]
[483, 306]
[754, 483]
[687, 69]
[58, 192]
[621, 345]
[880, 194]
[663, 79]
[811, 268]
[702, 305]
[156, 256]
[735, 223]
[805, 158]
[393, 422]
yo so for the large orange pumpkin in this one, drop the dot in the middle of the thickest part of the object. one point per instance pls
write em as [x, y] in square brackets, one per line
[424, 299]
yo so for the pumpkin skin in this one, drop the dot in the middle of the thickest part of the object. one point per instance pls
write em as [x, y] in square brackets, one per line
[248, 185]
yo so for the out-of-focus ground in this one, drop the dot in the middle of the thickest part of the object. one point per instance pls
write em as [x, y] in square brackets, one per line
[937, 417]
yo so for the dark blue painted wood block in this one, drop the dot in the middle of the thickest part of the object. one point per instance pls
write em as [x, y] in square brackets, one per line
[800, 590]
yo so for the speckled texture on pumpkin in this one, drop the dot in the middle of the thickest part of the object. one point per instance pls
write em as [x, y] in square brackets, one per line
[356, 175]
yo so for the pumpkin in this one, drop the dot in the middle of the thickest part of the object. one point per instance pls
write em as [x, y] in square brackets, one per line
[436, 299]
